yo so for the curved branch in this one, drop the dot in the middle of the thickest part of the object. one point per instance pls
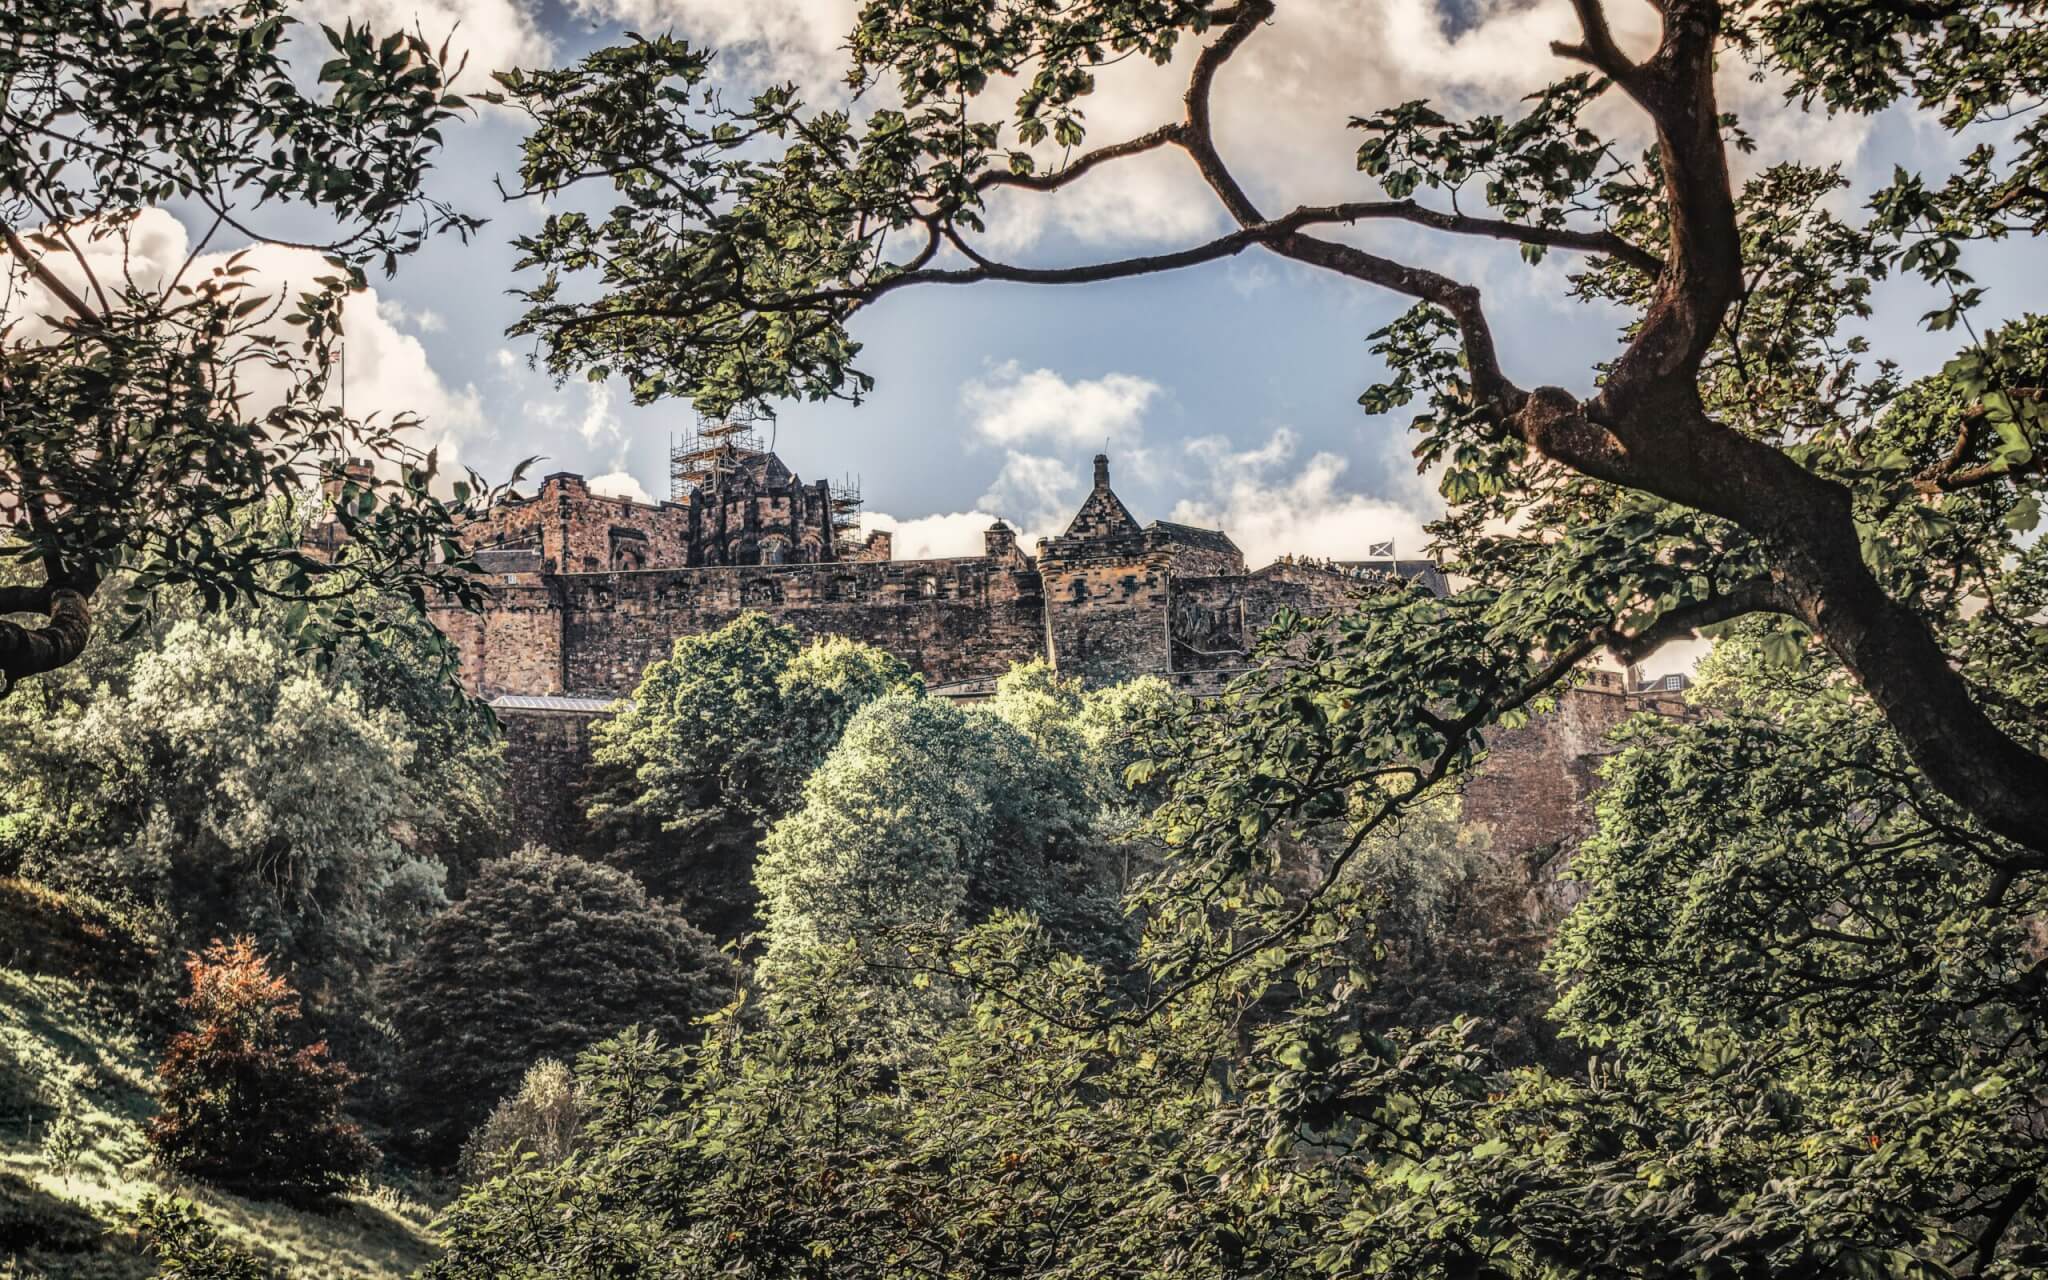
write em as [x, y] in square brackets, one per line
[1197, 137]
[1162, 136]
[1758, 595]
[25, 652]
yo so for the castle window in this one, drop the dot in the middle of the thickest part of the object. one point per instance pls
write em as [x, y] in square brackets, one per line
[927, 586]
[843, 587]
[1080, 590]
[761, 591]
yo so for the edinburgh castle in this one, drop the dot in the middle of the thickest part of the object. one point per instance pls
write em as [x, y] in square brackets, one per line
[589, 589]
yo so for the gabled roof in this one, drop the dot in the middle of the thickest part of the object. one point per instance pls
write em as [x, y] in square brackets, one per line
[1102, 514]
[1188, 535]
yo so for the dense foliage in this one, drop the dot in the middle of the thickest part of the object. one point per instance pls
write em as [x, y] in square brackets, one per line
[199, 771]
[1798, 1069]
[715, 746]
[926, 817]
[245, 1106]
[145, 415]
[545, 955]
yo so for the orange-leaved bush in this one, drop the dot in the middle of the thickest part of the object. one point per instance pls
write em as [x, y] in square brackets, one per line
[244, 1107]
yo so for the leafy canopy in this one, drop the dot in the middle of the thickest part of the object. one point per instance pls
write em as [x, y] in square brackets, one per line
[145, 414]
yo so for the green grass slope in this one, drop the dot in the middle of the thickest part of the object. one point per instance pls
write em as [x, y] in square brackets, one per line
[74, 1094]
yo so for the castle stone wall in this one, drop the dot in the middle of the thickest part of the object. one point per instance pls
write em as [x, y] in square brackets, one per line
[546, 754]
[1106, 616]
[1535, 789]
[1106, 600]
[948, 619]
[515, 644]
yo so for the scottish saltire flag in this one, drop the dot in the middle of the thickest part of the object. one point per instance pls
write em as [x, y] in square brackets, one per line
[1380, 550]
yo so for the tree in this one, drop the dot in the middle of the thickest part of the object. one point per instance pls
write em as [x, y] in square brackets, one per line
[203, 773]
[1732, 462]
[713, 747]
[546, 955]
[243, 1107]
[924, 819]
[1815, 1010]
[144, 415]
[1003, 1143]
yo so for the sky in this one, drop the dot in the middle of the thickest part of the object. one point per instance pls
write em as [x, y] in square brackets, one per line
[1225, 395]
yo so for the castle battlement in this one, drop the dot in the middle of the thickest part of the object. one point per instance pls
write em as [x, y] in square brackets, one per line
[590, 589]
[587, 590]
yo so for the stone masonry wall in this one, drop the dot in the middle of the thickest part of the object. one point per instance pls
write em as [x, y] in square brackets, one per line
[577, 530]
[546, 754]
[1535, 789]
[948, 619]
[1106, 617]
[515, 644]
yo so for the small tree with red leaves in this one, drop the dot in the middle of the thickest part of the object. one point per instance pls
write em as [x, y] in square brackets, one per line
[243, 1108]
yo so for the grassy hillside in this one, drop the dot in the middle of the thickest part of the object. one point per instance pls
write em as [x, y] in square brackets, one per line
[74, 1093]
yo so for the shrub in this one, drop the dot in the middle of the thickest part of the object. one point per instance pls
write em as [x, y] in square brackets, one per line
[546, 955]
[243, 1108]
[543, 1120]
[185, 1244]
[65, 1142]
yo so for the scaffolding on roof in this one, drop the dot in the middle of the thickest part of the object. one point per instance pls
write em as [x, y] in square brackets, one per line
[846, 502]
[721, 444]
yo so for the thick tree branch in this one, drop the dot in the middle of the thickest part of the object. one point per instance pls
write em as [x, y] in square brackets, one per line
[1197, 138]
[1703, 272]
[25, 652]
[1759, 595]
[1597, 48]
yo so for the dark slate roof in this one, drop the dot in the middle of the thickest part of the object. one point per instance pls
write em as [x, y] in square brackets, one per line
[1188, 535]
[1102, 512]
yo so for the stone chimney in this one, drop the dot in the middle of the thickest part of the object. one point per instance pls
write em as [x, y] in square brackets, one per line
[1001, 541]
[1102, 471]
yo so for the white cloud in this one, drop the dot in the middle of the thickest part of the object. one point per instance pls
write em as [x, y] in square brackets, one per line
[933, 537]
[620, 484]
[386, 371]
[1270, 511]
[495, 35]
[1042, 492]
[599, 423]
[799, 40]
[1010, 407]
[399, 316]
